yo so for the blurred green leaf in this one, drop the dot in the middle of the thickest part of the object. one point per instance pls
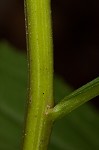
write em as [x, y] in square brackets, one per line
[13, 83]
[77, 131]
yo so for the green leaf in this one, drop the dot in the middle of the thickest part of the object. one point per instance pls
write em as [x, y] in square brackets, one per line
[13, 83]
[77, 131]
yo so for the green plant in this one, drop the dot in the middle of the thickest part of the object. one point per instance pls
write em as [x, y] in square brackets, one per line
[41, 110]
[78, 131]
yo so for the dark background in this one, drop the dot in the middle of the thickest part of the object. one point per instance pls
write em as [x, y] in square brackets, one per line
[75, 36]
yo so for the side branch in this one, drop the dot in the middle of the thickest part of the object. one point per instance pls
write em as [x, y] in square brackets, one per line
[75, 99]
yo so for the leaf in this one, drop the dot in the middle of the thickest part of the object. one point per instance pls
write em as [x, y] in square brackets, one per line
[77, 131]
[13, 83]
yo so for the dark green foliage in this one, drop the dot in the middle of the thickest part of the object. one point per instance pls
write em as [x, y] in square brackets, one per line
[77, 131]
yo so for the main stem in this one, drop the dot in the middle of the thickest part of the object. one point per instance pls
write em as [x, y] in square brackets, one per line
[40, 54]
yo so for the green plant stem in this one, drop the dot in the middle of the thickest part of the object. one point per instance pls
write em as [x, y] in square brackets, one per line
[39, 40]
[75, 99]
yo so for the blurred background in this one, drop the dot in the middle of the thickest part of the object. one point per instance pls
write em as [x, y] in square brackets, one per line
[76, 61]
[75, 36]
